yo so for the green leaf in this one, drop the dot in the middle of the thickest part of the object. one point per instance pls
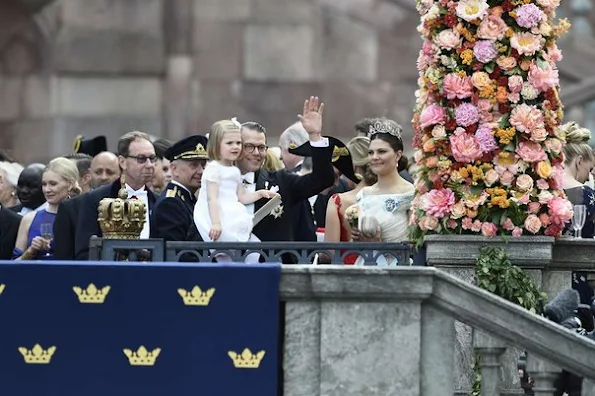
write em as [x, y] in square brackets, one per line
[489, 67]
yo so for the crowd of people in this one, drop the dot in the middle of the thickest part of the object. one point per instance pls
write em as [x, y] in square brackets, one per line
[208, 187]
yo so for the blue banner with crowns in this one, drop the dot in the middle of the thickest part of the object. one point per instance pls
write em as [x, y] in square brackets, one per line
[120, 329]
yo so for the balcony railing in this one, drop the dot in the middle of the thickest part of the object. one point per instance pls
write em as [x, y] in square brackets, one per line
[272, 252]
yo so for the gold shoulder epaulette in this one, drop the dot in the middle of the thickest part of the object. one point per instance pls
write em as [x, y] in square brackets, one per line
[171, 192]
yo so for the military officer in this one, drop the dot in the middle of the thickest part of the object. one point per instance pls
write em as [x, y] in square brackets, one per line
[173, 213]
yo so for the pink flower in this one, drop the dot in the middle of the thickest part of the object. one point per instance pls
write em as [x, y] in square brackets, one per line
[508, 225]
[554, 53]
[543, 184]
[560, 210]
[531, 152]
[553, 145]
[485, 138]
[491, 177]
[455, 86]
[526, 43]
[515, 83]
[489, 229]
[526, 118]
[538, 134]
[484, 105]
[466, 114]
[532, 224]
[421, 186]
[465, 147]
[506, 178]
[476, 226]
[524, 182]
[492, 28]
[557, 177]
[451, 223]
[514, 97]
[533, 207]
[553, 230]
[458, 210]
[529, 15]
[517, 232]
[439, 203]
[428, 223]
[543, 79]
[467, 223]
[485, 51]
[433, 114]
[448, 39]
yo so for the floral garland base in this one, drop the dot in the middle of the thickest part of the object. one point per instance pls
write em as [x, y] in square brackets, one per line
[488, 150]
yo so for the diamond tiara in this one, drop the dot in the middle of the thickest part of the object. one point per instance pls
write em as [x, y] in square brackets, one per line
[385, 127]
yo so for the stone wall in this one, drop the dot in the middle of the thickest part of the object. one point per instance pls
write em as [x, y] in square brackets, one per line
[173, 67]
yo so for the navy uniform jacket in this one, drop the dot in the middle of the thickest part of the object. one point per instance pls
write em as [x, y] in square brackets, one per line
[65, 228]
[87, 224]
[278, 226]
[173, 215]
[9, 227]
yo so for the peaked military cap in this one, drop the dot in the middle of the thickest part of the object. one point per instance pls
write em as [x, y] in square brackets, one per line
[190, 148]
[90, 147]
[341, 156]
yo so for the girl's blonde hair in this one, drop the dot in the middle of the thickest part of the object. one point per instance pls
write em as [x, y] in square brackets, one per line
[68, 171]
[218, 130]
[272, 163]
[358, 148]
[577, 142]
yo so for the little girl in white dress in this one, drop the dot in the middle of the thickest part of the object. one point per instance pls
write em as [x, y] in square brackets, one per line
[220, 213]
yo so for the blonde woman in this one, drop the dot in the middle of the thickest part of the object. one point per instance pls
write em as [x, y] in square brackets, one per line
[59, 182]
[337, 228]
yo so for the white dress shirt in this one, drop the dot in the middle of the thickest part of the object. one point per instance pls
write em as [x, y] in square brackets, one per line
[142, 195]
[250, 187]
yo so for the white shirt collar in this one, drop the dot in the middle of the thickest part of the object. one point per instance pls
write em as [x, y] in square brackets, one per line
[249, 177]
[132, 191]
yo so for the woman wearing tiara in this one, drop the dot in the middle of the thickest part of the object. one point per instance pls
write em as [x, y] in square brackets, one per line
[384, 206]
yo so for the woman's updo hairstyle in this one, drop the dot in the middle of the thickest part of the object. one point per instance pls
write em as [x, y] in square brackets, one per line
[66, 169]
[577, 142]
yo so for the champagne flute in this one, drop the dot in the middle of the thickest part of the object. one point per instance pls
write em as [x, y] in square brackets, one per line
[578, 219]
[47, 232]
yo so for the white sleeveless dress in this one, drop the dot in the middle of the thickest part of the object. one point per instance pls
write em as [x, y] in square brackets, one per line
[391, 211]
[236, 222]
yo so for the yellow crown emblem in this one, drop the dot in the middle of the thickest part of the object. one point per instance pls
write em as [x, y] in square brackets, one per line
[247, 359]
[37, 355]
[196, 296]
[121, 218]
[91, 295]
[142, 357]
[2, 286]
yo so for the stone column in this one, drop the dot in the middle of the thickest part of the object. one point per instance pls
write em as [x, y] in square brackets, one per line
[179, 68]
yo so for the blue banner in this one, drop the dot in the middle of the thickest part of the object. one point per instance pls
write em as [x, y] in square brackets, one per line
[161, 329]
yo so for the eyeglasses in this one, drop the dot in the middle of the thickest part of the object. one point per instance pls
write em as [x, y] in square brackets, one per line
[141, 159]
[249, 148]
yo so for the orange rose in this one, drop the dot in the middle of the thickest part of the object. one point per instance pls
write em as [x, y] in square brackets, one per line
[471, 213]
[429, 146]
[502, 95]
[481, 80]
[543, 169]
[506, 62]
[525, 64]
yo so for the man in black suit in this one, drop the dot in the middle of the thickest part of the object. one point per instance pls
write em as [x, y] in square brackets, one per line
[104, 170]
[136, 156]
[9, 227]
[29, 190]
[173, 215]
[293, 188]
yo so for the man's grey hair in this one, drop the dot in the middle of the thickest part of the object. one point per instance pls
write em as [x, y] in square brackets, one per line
[294, 134]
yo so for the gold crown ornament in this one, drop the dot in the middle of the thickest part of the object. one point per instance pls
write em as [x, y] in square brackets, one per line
[142, 357]
[246, 360]
[196, 296]
[121, 218]
[37, 355]
[91, 295]
[2, 286]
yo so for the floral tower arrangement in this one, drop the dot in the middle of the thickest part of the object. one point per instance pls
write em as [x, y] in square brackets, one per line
[488, 149]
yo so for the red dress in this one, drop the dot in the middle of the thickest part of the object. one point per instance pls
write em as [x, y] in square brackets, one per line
[350, 258]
